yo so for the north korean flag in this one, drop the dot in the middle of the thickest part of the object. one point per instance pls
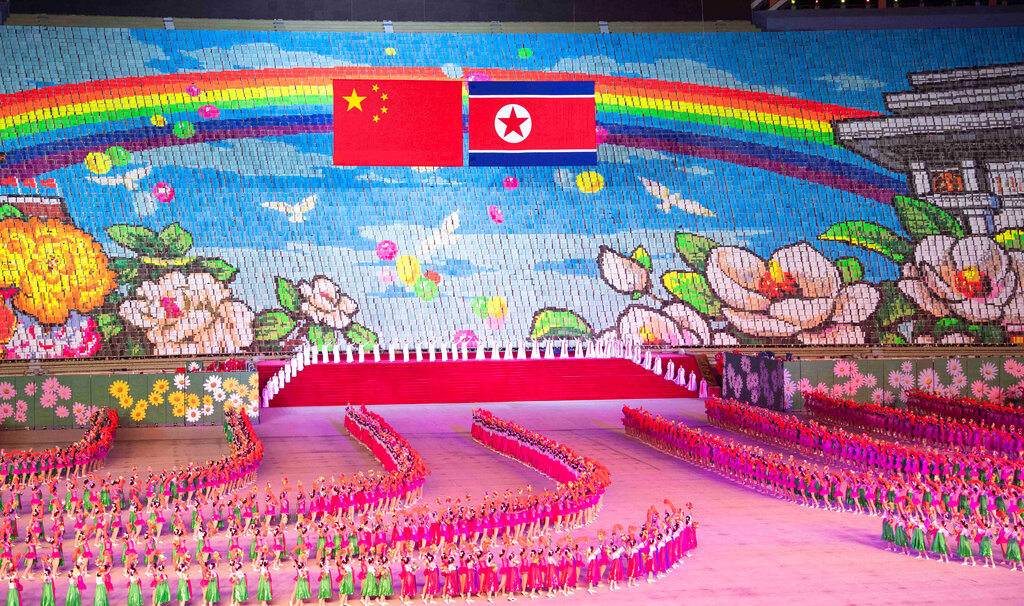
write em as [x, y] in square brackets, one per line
[532, 124]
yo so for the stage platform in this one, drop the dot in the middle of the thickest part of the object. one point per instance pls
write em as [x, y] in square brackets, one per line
[468, 381]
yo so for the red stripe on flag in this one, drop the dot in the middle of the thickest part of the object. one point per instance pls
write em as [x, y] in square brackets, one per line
[30, 182]
[397, 123]
[9, 181]
[51, 183]
[556, 123]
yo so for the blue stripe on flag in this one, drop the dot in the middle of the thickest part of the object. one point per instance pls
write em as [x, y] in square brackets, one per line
[533, 159]
[513, 89]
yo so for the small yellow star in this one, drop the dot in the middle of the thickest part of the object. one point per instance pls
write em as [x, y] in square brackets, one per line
[354, 100]
[384, 97]
[375, 88]
[376, 118]
[383, 110]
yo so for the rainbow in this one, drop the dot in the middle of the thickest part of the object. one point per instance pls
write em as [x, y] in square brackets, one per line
[51, 110]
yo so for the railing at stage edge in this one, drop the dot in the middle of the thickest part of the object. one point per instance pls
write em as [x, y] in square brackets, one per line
[596, 349]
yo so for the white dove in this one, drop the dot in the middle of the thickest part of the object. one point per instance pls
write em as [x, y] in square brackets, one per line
[130, 179]
[296, 212]
[443, 236]
[669, 199]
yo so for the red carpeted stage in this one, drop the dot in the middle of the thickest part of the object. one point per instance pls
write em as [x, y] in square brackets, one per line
[424, 382]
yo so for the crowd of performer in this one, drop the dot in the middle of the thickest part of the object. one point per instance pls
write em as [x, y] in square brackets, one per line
[72, 460]
[987, 413]
[870, 490]
[342, 538]
[931, 429]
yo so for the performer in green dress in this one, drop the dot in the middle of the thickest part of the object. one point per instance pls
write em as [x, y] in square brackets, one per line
[963, 545]
[347, 584]
[939, 545]
[211, 594]
[48, 598]
[264, 592]
[1013, 547]
[239, 585]
[324, 591]
[184, 592]
[102, 596]
[13, 588]
[134, 587]
[368, 590]
[74, 595]
[385, 583]
[301, 591]
[161, 586]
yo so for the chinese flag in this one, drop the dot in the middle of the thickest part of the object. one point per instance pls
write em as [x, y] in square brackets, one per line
[397, 123]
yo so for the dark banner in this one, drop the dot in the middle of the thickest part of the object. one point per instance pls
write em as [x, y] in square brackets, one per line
[757, 381]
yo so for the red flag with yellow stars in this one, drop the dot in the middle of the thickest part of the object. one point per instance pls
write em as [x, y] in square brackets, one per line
[397, 123]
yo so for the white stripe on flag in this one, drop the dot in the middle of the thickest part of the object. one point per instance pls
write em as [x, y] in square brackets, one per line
[530, 151]
[479, 96]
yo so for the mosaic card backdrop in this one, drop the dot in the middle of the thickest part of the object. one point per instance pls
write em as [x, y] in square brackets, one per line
[140, 399]
[172, 193]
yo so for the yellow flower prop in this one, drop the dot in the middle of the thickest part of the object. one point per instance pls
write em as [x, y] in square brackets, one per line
[179, 410]
[56, 267]
[193, 400]
[142, 404]
[177, 399]
[156, 399]
[207, 400]
[127, 402]
[231, 385]
[161, 386]
[254, 380]
[119, 389]
[138, 414]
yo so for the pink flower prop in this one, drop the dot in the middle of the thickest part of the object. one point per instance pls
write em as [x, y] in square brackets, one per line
[61, 412]
[387, 250]
[48, 399]
[495, 213]
[210, 112]
[163, 192]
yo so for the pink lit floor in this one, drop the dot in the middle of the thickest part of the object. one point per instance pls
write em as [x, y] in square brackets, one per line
[753, 549]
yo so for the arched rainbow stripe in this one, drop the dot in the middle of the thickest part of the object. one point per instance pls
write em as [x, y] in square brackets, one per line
[34, 160]
[57, 107]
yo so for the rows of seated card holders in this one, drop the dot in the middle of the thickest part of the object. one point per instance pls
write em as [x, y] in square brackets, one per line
[224, 216]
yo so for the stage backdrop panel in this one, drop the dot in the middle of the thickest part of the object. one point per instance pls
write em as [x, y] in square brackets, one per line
[140, 399]
[758, 381]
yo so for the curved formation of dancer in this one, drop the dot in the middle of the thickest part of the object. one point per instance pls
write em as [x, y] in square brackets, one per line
[993, 415]
[72, 460]
[996, 507]
[383, 546]
[932, 429]
[862, 451]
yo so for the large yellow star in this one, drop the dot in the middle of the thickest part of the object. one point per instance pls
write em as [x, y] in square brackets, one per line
[354, 100]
